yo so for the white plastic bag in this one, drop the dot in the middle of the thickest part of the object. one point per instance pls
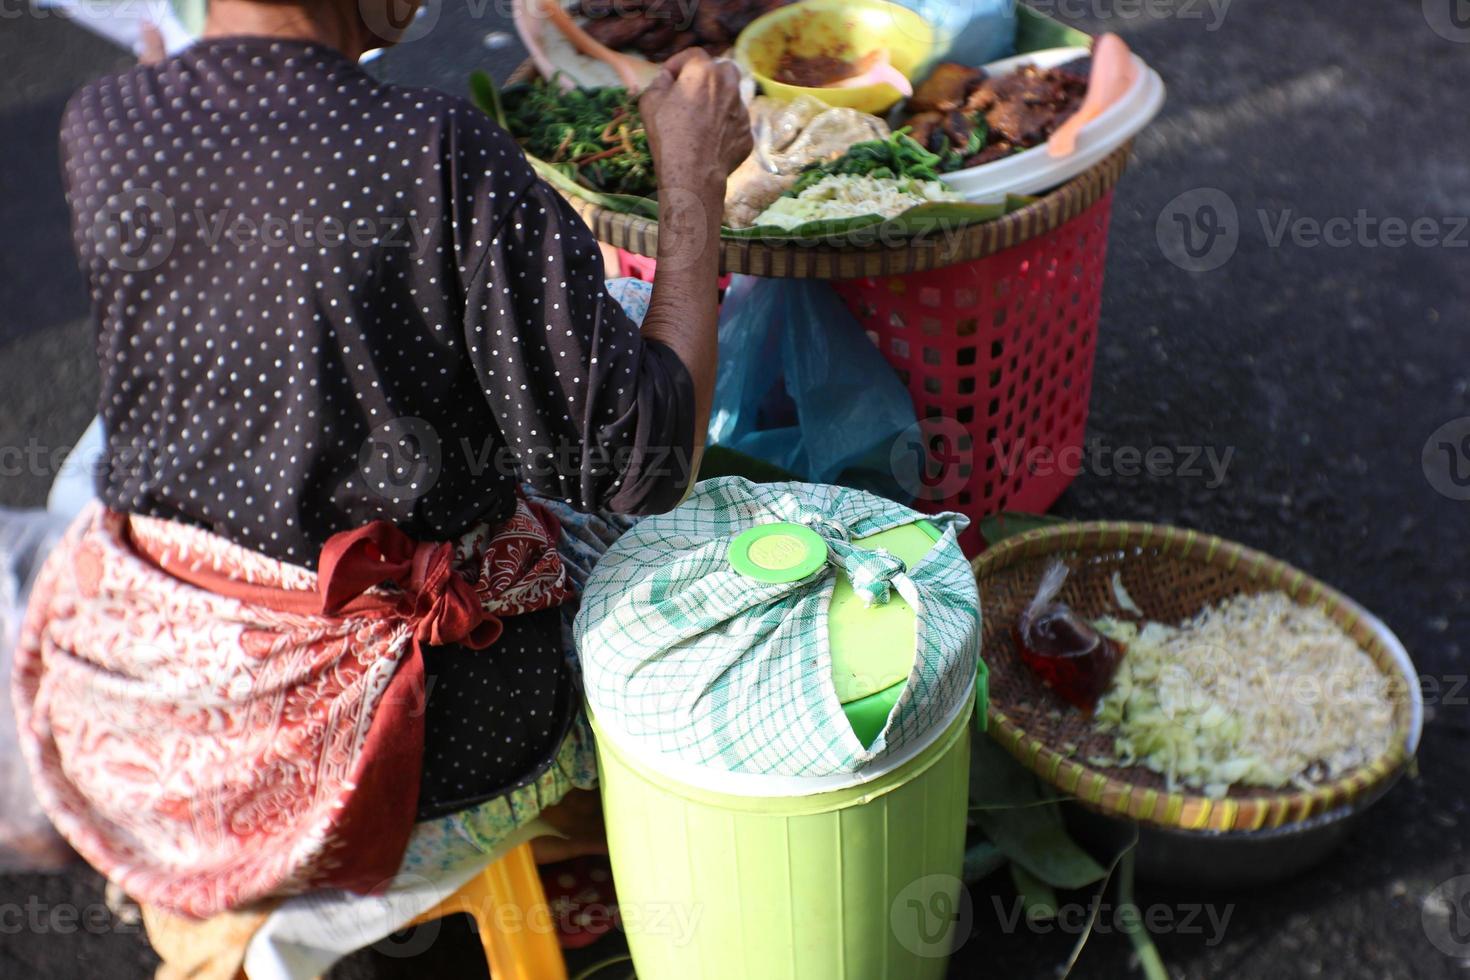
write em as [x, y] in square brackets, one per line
[27, 842]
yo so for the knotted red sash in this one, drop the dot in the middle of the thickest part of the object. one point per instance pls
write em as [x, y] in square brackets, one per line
[208, 726]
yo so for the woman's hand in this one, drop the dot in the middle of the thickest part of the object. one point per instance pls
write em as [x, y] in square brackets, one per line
[698, 127]
[698, 132]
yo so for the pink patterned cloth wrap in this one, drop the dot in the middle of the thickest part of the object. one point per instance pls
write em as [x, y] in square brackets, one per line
[208, 726]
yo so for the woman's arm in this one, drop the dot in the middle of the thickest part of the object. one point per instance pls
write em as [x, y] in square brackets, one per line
[698, 132]
[592, 409]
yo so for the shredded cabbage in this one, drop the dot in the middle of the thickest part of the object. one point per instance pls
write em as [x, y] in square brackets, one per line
[853, 196]
[1256, 690]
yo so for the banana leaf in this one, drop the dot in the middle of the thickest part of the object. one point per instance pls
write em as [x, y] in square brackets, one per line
[1009, 806]
[863, 230]
[557, 177]
[485, 95]
[872, 228]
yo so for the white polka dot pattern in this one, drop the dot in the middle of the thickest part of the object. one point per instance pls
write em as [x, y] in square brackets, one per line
[323, 300]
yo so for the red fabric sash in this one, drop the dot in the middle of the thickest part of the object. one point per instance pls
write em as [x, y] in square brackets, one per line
[208, 726]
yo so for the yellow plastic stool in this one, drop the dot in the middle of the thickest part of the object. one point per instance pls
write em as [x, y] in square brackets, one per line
[509, 907]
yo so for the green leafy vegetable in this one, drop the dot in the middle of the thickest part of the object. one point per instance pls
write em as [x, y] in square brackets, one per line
[897, 155]
[594, 136]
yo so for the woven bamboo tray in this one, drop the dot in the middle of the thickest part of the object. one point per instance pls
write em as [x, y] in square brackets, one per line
[811, 260]
[1171, 574]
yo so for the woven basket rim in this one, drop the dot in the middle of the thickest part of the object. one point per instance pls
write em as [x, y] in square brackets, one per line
[639, 235]
[801, 260]
[1190, 811]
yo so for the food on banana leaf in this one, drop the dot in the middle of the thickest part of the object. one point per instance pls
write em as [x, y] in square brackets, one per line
[595, 136]
[885, 177]
[789, 137]
[837, 196]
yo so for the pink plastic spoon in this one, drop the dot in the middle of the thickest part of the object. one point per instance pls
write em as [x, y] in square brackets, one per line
[1113, 72]
[873, 69]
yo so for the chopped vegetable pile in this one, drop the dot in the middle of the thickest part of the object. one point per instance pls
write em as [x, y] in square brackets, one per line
[1255, 690]
[594, 136]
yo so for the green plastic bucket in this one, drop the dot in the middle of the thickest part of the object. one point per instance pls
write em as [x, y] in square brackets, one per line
[717, 886]
[739, 875]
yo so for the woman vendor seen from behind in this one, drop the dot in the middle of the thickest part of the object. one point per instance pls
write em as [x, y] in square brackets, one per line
[340, 323]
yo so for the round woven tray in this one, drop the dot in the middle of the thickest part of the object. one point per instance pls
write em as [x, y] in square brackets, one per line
[811, 260]
[1171, 574]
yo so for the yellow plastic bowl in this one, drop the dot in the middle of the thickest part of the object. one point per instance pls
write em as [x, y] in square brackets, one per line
[843, 29]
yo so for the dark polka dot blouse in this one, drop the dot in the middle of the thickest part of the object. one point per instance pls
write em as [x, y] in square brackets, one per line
[322, 300]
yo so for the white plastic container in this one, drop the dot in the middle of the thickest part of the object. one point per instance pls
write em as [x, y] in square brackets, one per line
[1035, 170]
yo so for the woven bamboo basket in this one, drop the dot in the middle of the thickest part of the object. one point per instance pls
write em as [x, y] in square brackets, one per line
[1171, 574]
[824, 260]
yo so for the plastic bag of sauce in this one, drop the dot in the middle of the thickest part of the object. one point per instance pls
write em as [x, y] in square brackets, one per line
[1063, 649]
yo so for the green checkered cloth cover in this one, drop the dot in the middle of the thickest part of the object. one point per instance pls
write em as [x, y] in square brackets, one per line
[685, 656]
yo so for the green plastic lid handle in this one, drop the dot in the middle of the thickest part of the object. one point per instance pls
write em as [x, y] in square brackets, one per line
[779, 552]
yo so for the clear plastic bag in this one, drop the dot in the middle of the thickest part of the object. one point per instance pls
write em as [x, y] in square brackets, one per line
[803, 388]
[27, 842]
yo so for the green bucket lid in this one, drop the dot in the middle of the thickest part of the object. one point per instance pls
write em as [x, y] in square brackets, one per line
[873, 647]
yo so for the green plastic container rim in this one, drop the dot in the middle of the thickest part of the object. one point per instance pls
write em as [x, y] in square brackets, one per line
[797, 805]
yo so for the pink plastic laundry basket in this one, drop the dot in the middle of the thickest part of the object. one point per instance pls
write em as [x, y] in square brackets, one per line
[994, 333]
[997, 354]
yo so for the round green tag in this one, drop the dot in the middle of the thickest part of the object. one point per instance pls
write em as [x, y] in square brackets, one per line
[778, 552]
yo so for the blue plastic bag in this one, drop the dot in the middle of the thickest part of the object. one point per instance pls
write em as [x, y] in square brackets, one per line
[803, 388]
[970, 32]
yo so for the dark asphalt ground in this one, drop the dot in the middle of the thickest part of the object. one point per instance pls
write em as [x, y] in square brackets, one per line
[1322, 367]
